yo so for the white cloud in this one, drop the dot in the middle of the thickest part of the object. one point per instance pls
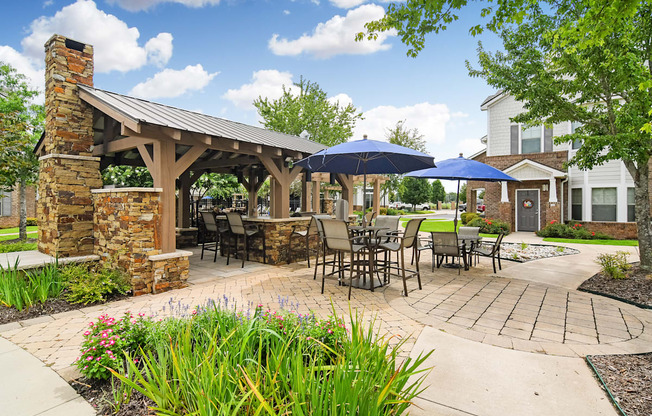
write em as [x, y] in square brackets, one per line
[336, 36]
[430, 119]
[25, 66]
[267, 83]
[116, 44]
[159, 49]
[172, 83]
[137, 5]
[286, 12]
[346, 4]
[342, 99]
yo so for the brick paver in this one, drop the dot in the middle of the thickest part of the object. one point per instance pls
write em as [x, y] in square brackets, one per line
[476, 305]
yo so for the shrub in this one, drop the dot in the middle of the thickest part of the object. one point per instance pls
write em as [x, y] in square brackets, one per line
[573, 230]
[467, 217]
[31, 222]
[614, 265]
[392, 211]
[18, 246]
[107, 342]
[489, 226]
[383, 211]
[93, 284]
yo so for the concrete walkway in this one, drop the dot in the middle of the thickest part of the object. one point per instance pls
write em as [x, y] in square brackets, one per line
[508, 343]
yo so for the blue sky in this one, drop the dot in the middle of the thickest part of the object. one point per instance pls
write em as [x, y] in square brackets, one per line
[216, 56]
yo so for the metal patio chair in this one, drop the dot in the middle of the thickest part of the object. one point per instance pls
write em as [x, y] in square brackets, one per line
[238, 230]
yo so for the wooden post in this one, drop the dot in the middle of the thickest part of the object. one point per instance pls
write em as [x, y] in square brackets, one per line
[305, 193]
[164, 160]
[183, 202]
[316, 206]
[283, 177]
[376, 201]
[347, 189]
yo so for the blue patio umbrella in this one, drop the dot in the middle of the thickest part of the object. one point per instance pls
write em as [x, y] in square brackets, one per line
[362, 157]
[459, 169]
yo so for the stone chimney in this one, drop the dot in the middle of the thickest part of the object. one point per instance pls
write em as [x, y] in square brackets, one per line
[67, 171]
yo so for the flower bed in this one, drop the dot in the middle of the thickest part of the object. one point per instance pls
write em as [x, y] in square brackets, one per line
[216, 360]
[571, 230]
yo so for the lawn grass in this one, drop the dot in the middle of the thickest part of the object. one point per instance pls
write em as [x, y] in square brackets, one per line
[596, 242]
[14, 230]
[32, 234]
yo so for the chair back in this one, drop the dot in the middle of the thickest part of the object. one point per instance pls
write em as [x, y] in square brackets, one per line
[499, 240]
[316, 222]
[410, 237]
[307, 213]
[336, 235]
[387, 221]
[368, 217]
[468, 233]
[235, 223]
[209, 221]
[445, 243]
[342, 209]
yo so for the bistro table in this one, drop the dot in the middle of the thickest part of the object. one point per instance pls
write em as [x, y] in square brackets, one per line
[368, 234]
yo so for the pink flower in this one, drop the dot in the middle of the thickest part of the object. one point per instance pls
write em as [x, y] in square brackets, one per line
[89, 358]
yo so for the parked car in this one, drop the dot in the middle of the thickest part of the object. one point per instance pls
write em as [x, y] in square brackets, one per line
[481, 206]
[462, 207]
[397, 205]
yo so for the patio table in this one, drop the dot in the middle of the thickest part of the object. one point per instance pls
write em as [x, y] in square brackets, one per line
[368, 234]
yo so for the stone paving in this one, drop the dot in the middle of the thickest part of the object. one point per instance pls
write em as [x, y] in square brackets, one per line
[477, 305]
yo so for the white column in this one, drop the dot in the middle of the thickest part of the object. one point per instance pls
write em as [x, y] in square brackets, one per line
[553, 190]
[504, 196]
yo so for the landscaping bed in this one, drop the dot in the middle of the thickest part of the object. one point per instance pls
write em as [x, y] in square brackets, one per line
[629, 378]
[99, 393]
[636, 288]
[522, 252]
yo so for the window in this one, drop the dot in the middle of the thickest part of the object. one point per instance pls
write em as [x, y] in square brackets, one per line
[631, 216]
[574, 126]
[603, 201]
[576, 204]
[5, 204]
[531, 140]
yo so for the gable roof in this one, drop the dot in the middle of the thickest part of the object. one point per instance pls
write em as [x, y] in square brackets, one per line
[491, 98]
[528, 169]
[143, 111]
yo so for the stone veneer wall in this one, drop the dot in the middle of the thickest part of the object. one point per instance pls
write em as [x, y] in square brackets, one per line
[277, 238]
[127, 227]
[67, 172]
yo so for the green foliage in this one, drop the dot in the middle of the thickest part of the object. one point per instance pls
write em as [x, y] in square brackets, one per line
[415, 190]
[19, 246]
[310, 111]
[392, 211]
[571, 230]
[466, 217]
[222, 362]
[405, 137]
[489, 226]
[127, 176]
[463, 193]
[21, 290]
[91, 284]
[614, 265]
[107, 343]
[438, 193]
[31, 222]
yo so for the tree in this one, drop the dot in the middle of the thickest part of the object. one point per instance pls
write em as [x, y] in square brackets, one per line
[21, 123]
[607, 87]
[415, 190]
[463, 193]
[405, 137]
[310, 111]
[414, 19]
[438, 192]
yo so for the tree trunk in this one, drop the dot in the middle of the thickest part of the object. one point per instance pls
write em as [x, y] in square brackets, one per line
[642, 213]
[22, 225]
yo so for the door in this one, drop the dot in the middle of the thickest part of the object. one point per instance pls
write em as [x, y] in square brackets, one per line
[527, 210]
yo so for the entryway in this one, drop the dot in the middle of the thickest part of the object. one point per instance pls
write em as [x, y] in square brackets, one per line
[527, 209]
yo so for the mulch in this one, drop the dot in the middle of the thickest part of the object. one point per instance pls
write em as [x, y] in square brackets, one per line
[99, 394]
[629, 378]
[635, 289]
[49, 307]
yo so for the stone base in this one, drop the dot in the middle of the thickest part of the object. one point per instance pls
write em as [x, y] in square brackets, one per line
[187, 237]
[168, 271]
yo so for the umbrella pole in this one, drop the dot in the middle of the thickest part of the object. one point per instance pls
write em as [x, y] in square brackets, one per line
[457, 203]
[364, 193]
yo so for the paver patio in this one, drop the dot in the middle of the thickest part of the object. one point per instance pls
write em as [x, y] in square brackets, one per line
[513, 314]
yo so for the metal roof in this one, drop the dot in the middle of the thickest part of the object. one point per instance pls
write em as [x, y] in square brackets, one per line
[162, 115]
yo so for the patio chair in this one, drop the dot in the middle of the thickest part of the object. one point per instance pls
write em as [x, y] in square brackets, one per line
[306, 234]
[338, 239]
[368, 218]
[342, 209]
[400, 243]
[322, 245]
[210, 233]
[471, 237]
[390, 222]
[239, 231]
[491, 249]
[444, 244]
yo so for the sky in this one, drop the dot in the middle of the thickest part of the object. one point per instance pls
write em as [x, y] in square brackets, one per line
[217, 56]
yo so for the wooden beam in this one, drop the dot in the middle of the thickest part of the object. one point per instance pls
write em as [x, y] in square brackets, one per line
[218, 163]
[188, 159]
[120, 145]
[144, 154]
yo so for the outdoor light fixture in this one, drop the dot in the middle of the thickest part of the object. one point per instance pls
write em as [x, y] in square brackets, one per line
[544, 187]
